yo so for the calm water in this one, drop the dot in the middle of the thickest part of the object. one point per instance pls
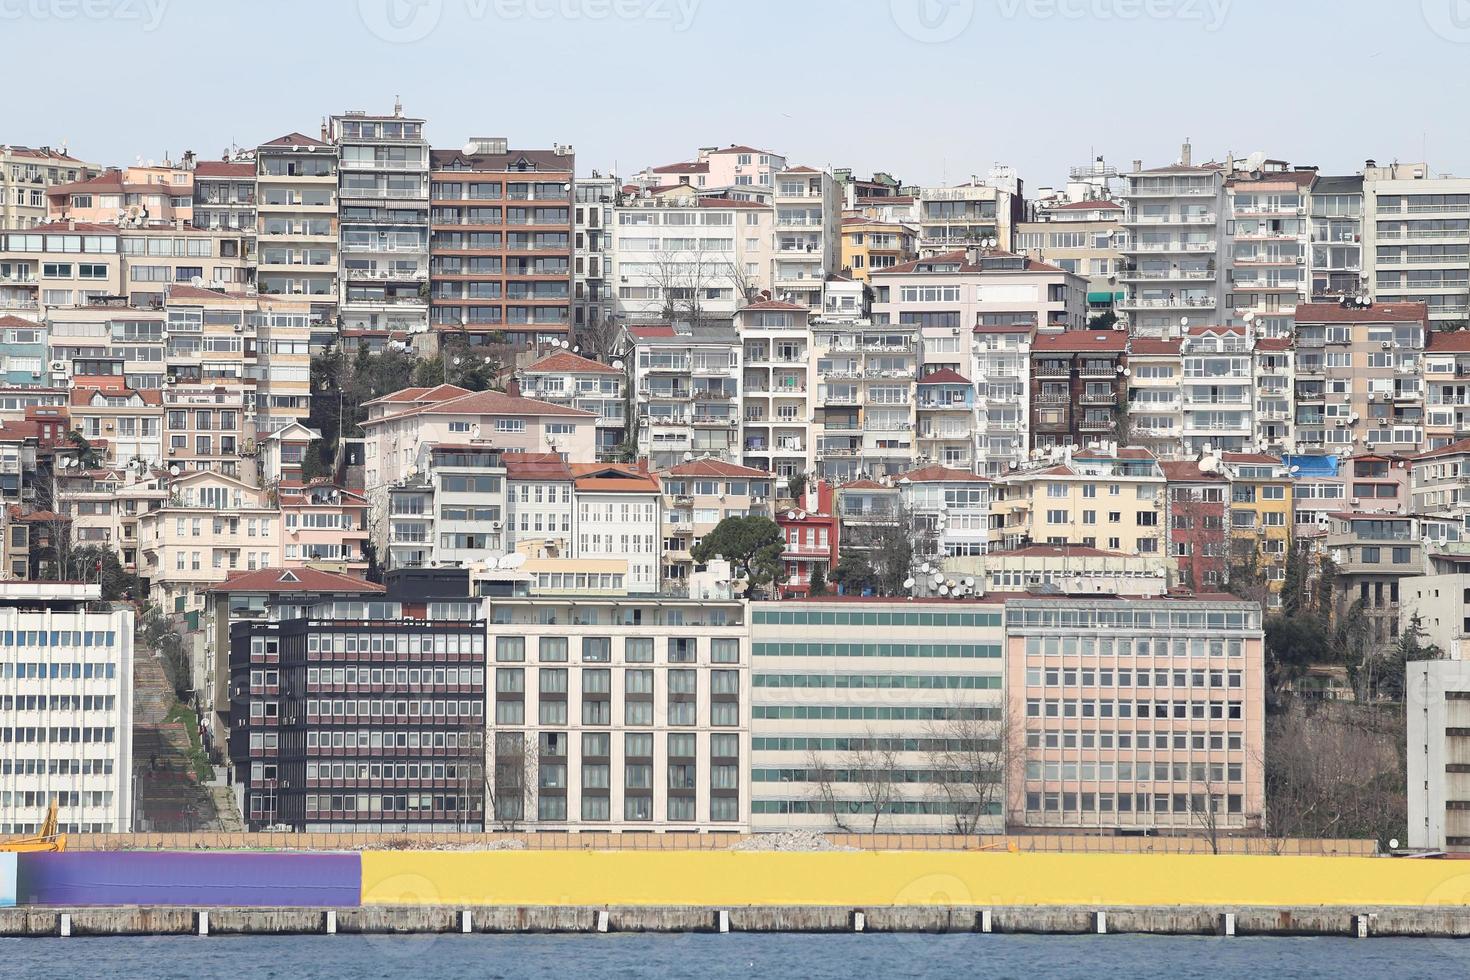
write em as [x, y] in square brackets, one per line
[870, 957]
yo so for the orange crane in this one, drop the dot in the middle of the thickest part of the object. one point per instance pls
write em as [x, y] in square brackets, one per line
[48, 838]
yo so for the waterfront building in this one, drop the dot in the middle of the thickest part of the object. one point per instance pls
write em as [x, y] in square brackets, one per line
[1437, 711]
[66, 708]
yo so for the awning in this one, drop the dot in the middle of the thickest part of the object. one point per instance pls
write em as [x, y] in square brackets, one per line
[1106, 297]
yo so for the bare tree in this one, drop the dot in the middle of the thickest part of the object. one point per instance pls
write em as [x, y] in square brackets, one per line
[511, 793]
[824, 789]
[602, 339]
[970, 757]
[1207, 802]
[865, 780]
[684, 278]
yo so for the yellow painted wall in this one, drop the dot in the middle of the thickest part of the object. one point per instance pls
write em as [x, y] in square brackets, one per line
[875, 878]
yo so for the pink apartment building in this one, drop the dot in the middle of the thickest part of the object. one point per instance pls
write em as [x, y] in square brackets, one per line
[1135, 715]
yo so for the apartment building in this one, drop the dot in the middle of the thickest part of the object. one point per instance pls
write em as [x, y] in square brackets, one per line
[1446, 388]
[592, 223]
[224, 195]
[1436, 693]
[1358, 376]
[1262, 513]
[58, 264]
[1198, 513]
[1137, 714]
[1081, 237]
[501, 242]
[620, 516]
[1336, 261]
[128, 422]
[568, 379]
[1216, 388]
[1078, 387]
[139, 196]
[383, 213]
[952, 507]
[859, 709]
[399, 423]
[808, 245]
[735, 171]
[1373, 554]
[540, 505]
[777, 388]
[864, 402]
[28, 173]
[946, 413]
[203, 430]
[1071, 568]
[450, 509]
[1269, 241]
[209, 526]
[1440, 481]
[1155, 397]
[974, 214]
[1416, 239]
[633, 717]
[1000, 366]
[810, 527]
[1113, 498]
[66, 715]
[1172, 267]
[296, 225]
[357, 710]
[323, 526]
[871, 244]
[697, 496]
[678, 256]
[23, 358]
[1274, 364]
[686, 395]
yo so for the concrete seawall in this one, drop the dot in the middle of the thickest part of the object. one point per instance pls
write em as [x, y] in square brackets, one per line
[420, 919]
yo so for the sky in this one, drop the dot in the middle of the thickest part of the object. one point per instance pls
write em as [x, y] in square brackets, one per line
[930, 90]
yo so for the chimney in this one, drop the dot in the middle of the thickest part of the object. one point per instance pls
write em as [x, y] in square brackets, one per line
[513, 388]
[326, 133]
[1137, 166]
[1184, 154]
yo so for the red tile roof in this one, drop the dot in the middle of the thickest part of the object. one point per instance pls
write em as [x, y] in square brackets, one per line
[1453, 449]
[690, 167]
[565, 362]
[944, 376]
[612, 478]
[294, 139]
[178, 292]
[535, 466]
[1081, 341]
[1153, 346]
[1057, 551]
[943, 474]
[294, 580]
[776, 304]
[652, 331]
[799, 170]
[1377, 313]
[739, 148]
[15, 321]
[1448, 341]
[498, 403]
[1200, 331]
[1276, 344]
[1087, 206]
[713, 467]
[1249, 458]
[1188, 471]
[223, 168]
[864, 484]
[86, 227]
[437, 393]
[725, 202]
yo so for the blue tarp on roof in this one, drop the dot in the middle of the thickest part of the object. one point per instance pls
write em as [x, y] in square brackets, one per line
[1307, 467]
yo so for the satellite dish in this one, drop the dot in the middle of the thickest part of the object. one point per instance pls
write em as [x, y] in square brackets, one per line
[908, 583]
[1254, 161]
[791, 515]
[618, 365]
[512, 561]
[938, 578]
[944, 590]
[174, 469]
[197, 282]
[924, 568]
[969, 582]
[688, 457]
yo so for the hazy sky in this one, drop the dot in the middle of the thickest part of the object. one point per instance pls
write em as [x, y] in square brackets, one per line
[931, 90]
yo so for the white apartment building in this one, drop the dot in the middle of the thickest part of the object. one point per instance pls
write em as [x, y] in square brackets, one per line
[619, 714]
[971, 214]
[686, 392]
[383, 212]
[1437, 696]
[26, 173]
[296, 224]
[808, 235]
[1172, 266]
[1155, 401]
[865, 398]
[619, 515]
[1216, 388]
[675, 255]
[592, 226]
[1416, 238]
[568, 379]
[779, 382]
[1268, 241]
[451, 510]
[1336, 261]
[952, 505]
[739, 172]
[66, 709]
[1000, 366]
[854, 704]
[1446, 388]
[698, 495]
[1275, 383]
[539, 501]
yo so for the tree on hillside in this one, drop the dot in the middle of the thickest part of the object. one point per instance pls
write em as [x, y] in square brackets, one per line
[473, 367]
[818, 584]
[342, 380]
[853, 574]
[1293, 644]
[752, 545]
[1385, 669]
[89, 563]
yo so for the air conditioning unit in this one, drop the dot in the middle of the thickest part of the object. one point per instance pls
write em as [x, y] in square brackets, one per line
[497, 525]
[1301, 260]
[58, 365]
[239, 328]
[1383, 421]
[1385, 344]
[1354, 501]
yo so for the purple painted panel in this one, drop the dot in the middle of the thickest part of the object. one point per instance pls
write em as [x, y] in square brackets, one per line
[203, 878]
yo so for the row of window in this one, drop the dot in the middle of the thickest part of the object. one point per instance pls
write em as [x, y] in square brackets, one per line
[1053, 676]
[376, 708]
[823, 617]
[1199, 710]
[956, 650]
[1142, 741]
[916, 682]
[406, 678]
[375, 740]
[58, 671]
[1132, 646]
[58, 702]
[1190, 803]
[90, 734]
[58, 638]
[411, 643]
[636, 809]
[847, 712]
[636, 649]
[55, 767]
[1159, 772]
